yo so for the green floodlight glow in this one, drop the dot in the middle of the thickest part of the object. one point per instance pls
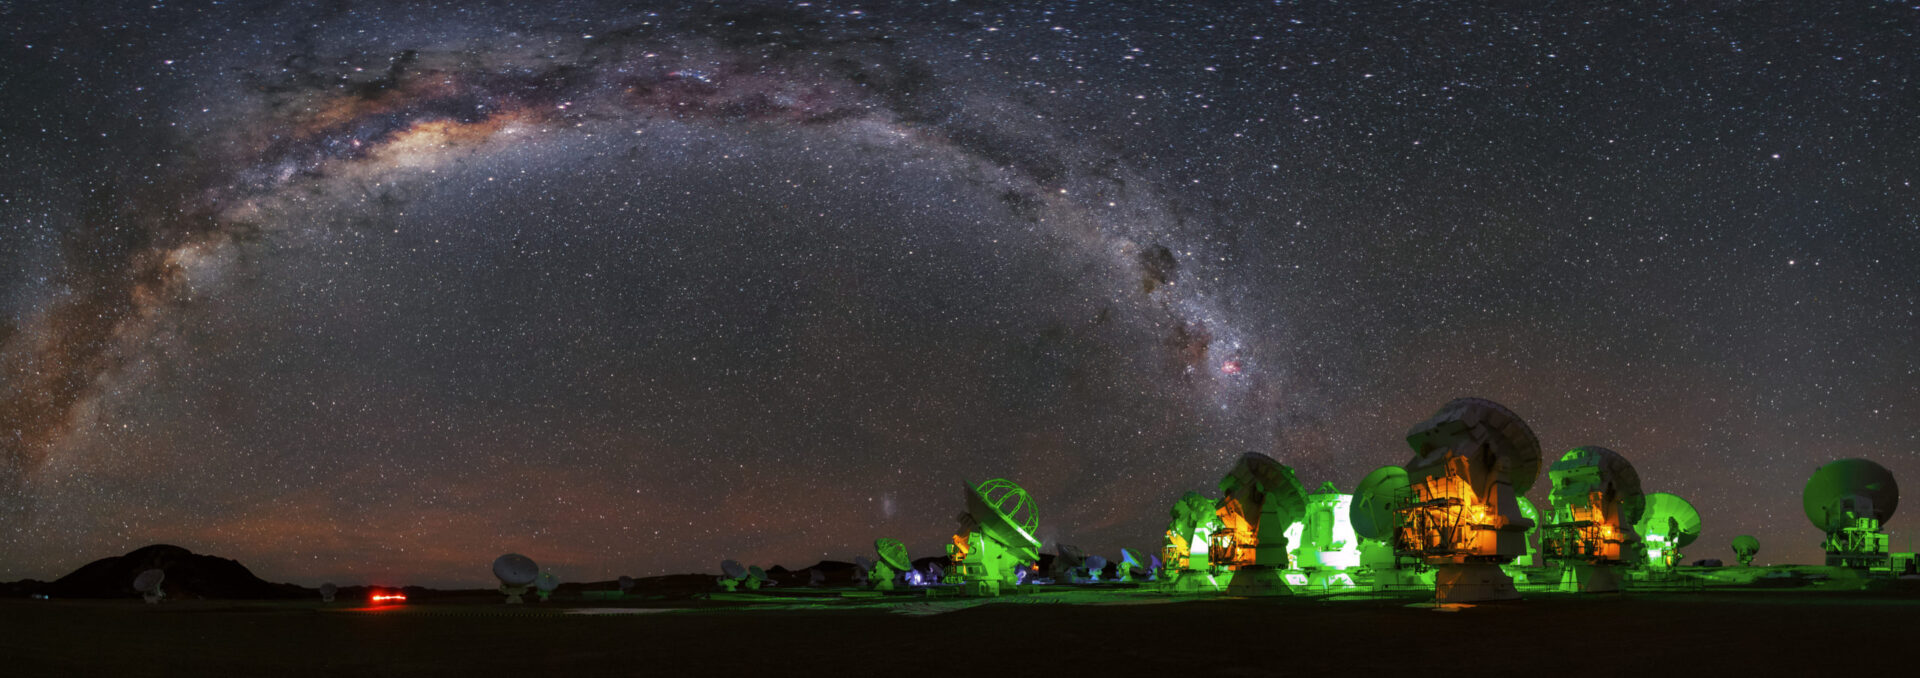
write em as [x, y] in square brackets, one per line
[1328, 546]
[1595, 500]
[1261, 499]
[1532, 558]
[1745, 547]
[995, 538]
[1851, 500]
[1667, 525]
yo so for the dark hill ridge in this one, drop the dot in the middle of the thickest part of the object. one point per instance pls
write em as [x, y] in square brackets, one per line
[189, 575]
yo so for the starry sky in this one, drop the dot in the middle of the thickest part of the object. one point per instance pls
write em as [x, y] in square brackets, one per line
[371, 293]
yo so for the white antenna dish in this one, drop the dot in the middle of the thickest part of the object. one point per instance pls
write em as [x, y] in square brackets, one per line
[327, 591]
[515, 572]
[547, 582]
[148, 584]
[733, 569]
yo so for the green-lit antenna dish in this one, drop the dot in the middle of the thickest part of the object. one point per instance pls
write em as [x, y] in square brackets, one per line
[1663, 507]
[1527, 509]
[1007, 514]
[1849, 486]
[1745, 547]
[1593, 468]
[893, 553]
[1372, 510]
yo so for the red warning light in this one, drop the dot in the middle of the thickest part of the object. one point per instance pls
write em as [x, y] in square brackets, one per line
[387, 598]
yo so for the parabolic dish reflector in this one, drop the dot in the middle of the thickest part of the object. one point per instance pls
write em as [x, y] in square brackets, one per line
[546, 582]
[1612, 468]
[149, 580]
[1855, 481]
[1372, 510]
[1662, 506]
[514, 569]
[1508, 435]
[1745, 544]
[1258, 476]
[733, 569]
[894, 553]
[1006, 514]
[757, 573]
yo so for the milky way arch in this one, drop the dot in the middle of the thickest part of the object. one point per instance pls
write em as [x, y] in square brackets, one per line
[133, 257]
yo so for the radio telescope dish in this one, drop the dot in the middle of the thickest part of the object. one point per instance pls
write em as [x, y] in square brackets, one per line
[894, 554]
[863, 563]
[1131, 565]
[1094, 566]
[1745, 547]
[328, 591]
[1847, 489]
[1471, 460]
[515, 573]
[1596, 499]
[148, 584]
[1668, 525]
[1066, 565]
[1851, 500]
[995, 536]
[758, 575]
[1372, 510]
[893, 562]
[546, 583]
[1261, 499]
[733, 569]
[514, 569]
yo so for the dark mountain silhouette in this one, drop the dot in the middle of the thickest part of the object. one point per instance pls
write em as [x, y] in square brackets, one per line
[189, 575]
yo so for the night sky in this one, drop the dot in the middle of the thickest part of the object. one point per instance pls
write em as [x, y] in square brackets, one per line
[373, 294]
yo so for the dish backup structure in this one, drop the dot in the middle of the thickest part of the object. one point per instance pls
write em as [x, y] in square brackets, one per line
[1327, 547]
[1459, 513]
[1260, 500]
[995, 538]
[1851, 501]
[1667, 524]
[1185, 565]
[1596, 499]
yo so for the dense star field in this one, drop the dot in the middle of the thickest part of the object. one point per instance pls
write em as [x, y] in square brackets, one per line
[373, 293]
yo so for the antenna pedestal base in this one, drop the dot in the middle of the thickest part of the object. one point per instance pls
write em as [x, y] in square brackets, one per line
[513, 593]
[1472, 582]
[1259, 580]
[1194, 581]
[1590, 578]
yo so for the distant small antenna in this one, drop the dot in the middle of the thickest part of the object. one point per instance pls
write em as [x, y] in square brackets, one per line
[546, 583]
[757, 578]
[1095, 564]
[515, 572]
[732, 574]
[893, 561]
[327, 592]
[148, 584]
